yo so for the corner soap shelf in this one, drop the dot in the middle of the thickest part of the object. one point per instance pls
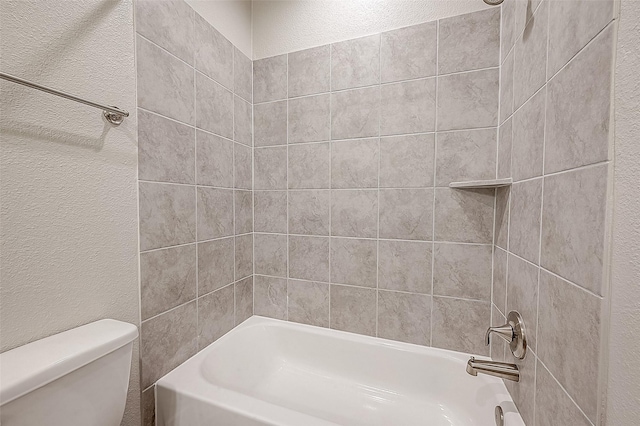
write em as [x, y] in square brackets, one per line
[482, 184]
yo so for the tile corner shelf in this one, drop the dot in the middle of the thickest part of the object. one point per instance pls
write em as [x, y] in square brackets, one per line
[481, 184]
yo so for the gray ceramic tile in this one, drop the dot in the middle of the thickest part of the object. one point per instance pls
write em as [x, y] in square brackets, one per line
[530, 60]
[408, 107]
[167, 215]
[169, 24]
[566, 307]
[524, 229]
[148, 405]
[354, 213]
[270, 123]
[469, 42]
[408, 52]
[404, 317]
[353, 309]
[308, 302]
[506, 87]
[475, 93]
[215, 315]
[462, 270]
[165, 83]
[355, 63]
[214, 160]
[405, 266]
[354, 262]
[214, 107]
[553, 405]
[244, 256]
[270, 211]
[523, 392]
[505, 148]
[460, 325]
[508, 30]
[243, 166]
[499, 295]
[242, 121]
[213, 53]
[243, 210]
[270, 79]
[406, 161]
[573, 226]
[309, 71]
[270, 168]
[528, 138]
[406, 214]
[215, 213]
[524, 10]
[464, 216]
[270, 297]
[310, 166]
[354, 164]
[578, 108]
[498, 346]
[503, 196]
[167, 341]
[243, 299]
[242, 75]
[215, 265]
[309, 258]
[355, 113]
[465, 155]
[309, 119]
[309, 212]
[522, 295]
[165, 149]
[167, 279]
[572, 24]
[271, 254]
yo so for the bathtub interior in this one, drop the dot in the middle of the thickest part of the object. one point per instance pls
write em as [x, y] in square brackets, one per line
[345, 378]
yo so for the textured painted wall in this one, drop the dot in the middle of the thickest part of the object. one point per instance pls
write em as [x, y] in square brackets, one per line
[355, 145]
[196, 205]
[623, 397]
[552, 225]
[68, 229]
[286, 26]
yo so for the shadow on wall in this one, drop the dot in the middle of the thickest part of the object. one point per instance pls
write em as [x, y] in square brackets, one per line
[47, 134]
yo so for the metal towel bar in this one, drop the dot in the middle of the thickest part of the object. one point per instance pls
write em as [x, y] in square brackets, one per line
[114, 115]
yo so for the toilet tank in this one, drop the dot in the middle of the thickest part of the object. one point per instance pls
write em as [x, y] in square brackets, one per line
[78, 377]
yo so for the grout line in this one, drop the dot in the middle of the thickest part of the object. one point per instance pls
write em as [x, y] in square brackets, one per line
[372, 86]
[364, 238]
[191, 126]
[434, 171]
[330, 179]
[563, 389]
[253, 198]
[233, 169]
[287, 171]
[378, 192]
[195, 179]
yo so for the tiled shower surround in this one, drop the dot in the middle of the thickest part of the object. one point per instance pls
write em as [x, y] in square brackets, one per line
[195, 172]
[314, 187]
[551, 246]
[355, 145]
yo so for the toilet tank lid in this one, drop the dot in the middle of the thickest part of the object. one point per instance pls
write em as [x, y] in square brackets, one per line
[38, 363]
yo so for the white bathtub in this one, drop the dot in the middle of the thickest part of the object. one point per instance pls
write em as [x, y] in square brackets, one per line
[271, 372]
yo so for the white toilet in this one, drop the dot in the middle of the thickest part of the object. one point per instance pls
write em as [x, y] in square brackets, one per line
[76, 378]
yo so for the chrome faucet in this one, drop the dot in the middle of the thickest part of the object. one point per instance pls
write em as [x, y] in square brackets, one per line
[514, 333]
[498, 369]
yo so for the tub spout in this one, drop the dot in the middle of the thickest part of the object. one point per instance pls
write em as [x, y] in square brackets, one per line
[492, 368]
